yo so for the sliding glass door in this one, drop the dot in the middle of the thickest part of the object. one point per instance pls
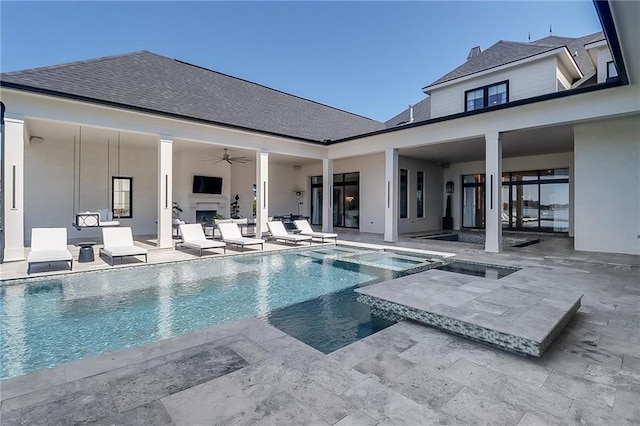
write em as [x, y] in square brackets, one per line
[346, 200]
[531, 201]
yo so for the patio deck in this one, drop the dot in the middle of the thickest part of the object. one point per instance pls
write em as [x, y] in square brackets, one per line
[503, 313]
[248, 372]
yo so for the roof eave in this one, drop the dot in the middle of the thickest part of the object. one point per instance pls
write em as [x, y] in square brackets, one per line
[541, 55]
[513, 104]
[80, 98]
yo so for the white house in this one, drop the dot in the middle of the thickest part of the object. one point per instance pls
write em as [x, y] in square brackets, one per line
[540, 136]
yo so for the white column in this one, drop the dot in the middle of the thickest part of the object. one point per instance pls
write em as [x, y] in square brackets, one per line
[327, 195]
[493, 192]
[165, 188]
[14, 189]
[262, 192]
[391, 195]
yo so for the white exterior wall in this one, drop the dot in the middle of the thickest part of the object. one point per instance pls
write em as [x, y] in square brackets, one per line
[517, 164]
[604, 56]
[371, 169]
[243, 177]
[525, 81]
[49, 185]
[607, 194]
[284, 181]
[433, 188]
[186, 164]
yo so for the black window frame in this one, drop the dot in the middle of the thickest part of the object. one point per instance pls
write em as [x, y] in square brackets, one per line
[113, 196]
[420, 194]
[538, 178]
[485, 99]
[403, 194]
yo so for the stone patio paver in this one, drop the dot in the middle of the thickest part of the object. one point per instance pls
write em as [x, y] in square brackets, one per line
[248, 372]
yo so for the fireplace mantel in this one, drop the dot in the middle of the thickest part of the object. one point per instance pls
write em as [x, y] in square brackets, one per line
[207, 202]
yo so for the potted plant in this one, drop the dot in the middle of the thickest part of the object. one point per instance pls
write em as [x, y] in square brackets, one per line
[235, 208]
[176, 212]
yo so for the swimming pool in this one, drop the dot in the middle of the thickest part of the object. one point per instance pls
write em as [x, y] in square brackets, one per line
[51, 321]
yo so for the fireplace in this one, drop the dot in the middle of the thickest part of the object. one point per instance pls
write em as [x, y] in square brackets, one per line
[205, 216]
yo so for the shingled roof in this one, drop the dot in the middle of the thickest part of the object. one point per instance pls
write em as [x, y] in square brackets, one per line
[421, 112]
[505, 52]
[147, 81]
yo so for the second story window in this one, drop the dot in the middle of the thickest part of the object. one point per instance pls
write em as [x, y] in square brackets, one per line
[494, 94]
[612, 72]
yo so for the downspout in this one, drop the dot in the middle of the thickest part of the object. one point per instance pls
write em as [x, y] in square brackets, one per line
[2, 183]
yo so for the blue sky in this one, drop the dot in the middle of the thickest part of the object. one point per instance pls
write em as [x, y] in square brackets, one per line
[370, 58]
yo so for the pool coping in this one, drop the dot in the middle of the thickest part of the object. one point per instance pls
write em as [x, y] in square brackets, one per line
[472, 308]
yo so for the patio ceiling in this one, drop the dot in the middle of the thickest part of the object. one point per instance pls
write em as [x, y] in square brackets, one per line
[60, 132]
[521, 143]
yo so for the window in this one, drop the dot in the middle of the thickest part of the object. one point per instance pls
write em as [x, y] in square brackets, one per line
[346, 200]
[475, 99]
[420, 194]
[121, 196]
[536, 200]
[404, 193]
[612, 72]
[487, 96]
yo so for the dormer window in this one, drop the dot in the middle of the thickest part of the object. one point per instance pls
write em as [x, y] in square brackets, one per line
[612, 72]
[486, 96]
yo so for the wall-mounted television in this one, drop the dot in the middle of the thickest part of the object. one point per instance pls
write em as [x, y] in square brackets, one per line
[207, 185]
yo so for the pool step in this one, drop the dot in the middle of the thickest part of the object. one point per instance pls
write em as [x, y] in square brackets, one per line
[515, 319]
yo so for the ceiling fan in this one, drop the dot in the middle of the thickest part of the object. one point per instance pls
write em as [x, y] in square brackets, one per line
[226, 157]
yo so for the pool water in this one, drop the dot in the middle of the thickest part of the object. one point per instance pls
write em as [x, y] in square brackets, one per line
[48, 322]
[388, 260]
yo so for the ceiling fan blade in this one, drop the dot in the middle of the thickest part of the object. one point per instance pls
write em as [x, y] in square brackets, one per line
[239, 159]
[228, 161]
[222, 159]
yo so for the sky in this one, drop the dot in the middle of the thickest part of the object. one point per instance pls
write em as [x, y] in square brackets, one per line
[369, 58]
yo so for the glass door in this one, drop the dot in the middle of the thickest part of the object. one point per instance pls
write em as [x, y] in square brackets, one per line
[346, 200]
[338, 206]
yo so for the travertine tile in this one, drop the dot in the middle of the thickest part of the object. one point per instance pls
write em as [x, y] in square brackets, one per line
[209, 403]
[281, 409]
[472, 408]
[627, 405]
[321, 401]
[357, 418]
[580, 388]
[384, 365]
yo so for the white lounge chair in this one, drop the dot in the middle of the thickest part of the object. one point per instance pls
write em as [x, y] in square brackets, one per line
[278, 232]
[193, 237]
[49, 245]
[305, 229]
[118, 242]
[231, 235]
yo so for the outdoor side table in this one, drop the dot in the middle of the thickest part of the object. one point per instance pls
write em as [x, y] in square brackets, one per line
[86, 252]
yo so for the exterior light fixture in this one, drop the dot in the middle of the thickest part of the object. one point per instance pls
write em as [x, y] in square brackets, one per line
[449, 187]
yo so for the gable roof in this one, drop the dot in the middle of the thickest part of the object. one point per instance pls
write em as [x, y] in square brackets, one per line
[154, 83]
[505, 52]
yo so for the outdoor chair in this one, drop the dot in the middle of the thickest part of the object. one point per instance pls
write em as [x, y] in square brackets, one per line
[49, 245]
[118, 242]
[193, 237]
[231, 235]
[305, 229]
[278, 232]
